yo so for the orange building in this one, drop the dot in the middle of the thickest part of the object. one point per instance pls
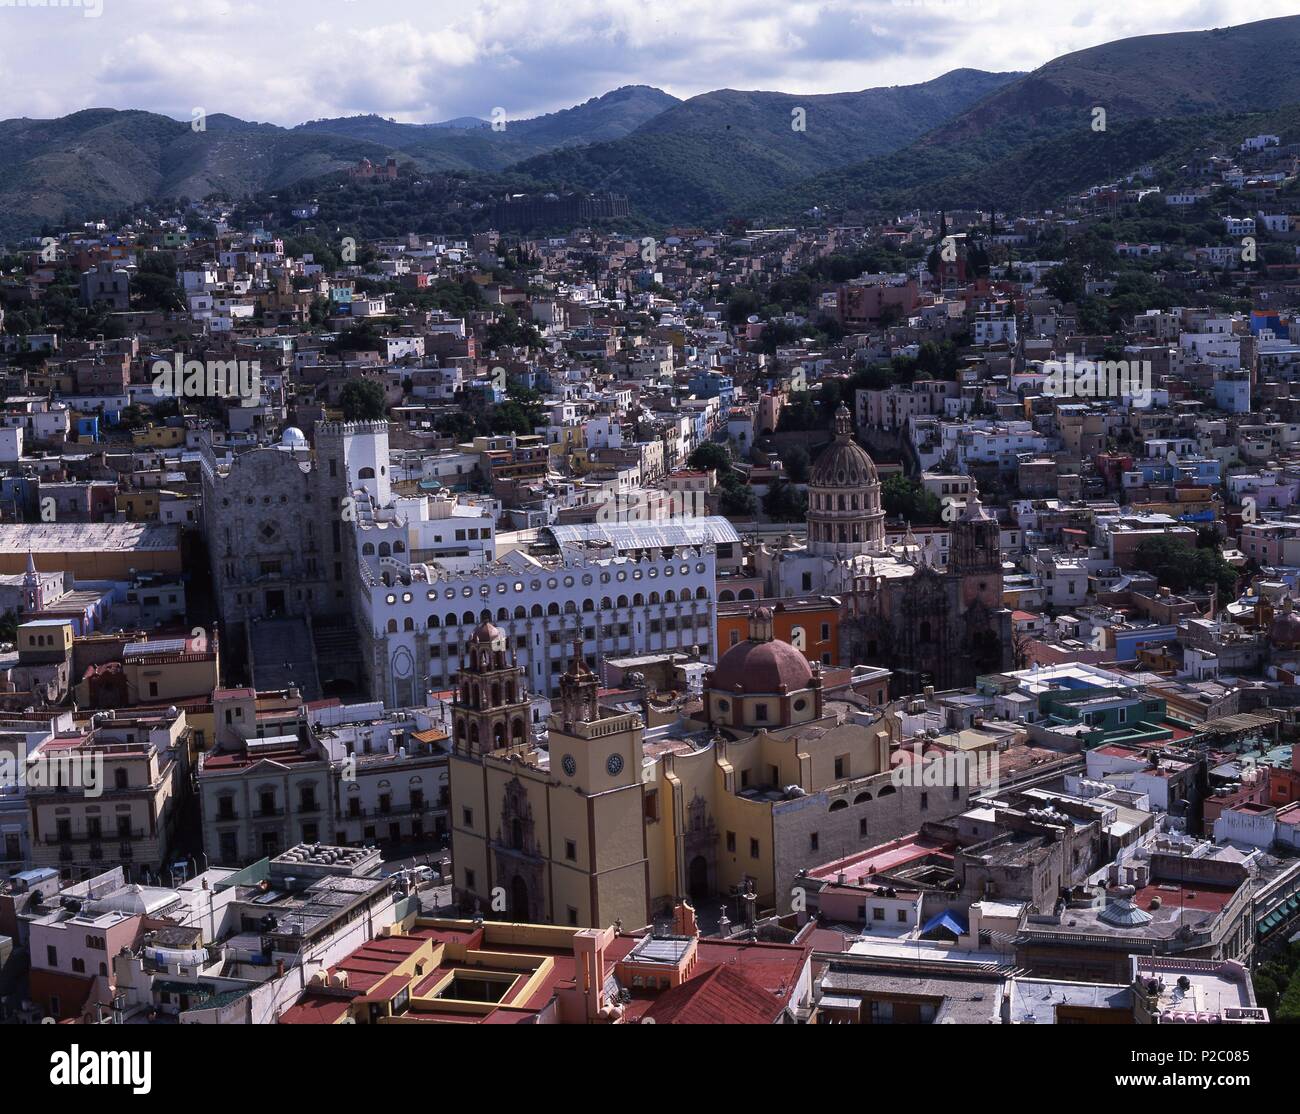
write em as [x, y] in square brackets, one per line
[811, 624]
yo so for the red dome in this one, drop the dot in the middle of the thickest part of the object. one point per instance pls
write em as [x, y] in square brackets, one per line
[485, 632]
[1285, 629]
[761, 667]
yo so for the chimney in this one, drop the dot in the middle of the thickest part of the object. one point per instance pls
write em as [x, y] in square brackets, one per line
[684, 923]
[972, 938]
[589, 958]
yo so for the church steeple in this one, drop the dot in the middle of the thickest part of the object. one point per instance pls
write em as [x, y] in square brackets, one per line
[761, 626]
[579, 691]
[33, 588]
[491, 706]
[975, 540]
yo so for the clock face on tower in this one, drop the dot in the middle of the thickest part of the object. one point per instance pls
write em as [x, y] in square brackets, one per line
[570, 766]
[614, 765]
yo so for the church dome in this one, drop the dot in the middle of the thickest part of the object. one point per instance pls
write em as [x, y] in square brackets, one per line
[845, 516]
[1285, 628]
[845, 463]
[485, 632]
[293, 438]
[757, 667]
[761, 664]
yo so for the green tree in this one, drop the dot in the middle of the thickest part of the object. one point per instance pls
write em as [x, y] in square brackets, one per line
[1288, 1009]
[737, 499]
[358, 338]
[363, 400]
[784, 502]
[710, 457]
[509, 331]
[797, 464]
[1180, 567]
[907, 499]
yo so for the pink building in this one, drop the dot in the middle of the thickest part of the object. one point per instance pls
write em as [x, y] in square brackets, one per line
[72, 953]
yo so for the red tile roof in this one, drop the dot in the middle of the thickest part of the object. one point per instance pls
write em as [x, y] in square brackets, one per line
[721, 996]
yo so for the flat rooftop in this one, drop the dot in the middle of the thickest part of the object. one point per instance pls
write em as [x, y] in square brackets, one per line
[89, 537]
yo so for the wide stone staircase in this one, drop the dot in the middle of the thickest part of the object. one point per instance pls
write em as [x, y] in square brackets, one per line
[283, 656]
[338, 654]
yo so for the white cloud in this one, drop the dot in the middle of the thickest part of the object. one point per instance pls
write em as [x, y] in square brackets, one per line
[290, 60]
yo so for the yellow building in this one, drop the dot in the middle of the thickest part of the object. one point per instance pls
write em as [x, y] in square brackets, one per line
[139, 504]
[552, 837]
[607, 826]
[779, 775]
[158, 437]
[45, 640]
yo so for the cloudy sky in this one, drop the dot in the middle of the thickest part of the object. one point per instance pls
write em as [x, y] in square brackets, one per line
[286, 61]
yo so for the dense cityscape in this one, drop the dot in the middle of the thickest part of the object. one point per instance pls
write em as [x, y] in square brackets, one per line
[551, 615]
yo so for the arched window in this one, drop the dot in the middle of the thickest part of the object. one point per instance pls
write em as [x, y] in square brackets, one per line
[368, 549]
[366, 474]
[837, 806]
[433, 622]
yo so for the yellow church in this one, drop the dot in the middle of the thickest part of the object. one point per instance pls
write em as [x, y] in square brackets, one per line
[606, 824]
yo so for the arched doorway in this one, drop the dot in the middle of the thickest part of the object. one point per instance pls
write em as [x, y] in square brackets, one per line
[520, 908]
[698, 881]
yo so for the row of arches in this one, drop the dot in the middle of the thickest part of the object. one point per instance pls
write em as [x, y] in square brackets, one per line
[385, 550]
[474, 736]
[505, 615]
[477, 695]
[862, 798]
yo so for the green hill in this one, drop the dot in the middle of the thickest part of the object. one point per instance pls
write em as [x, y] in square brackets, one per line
[1033, 140]
[726, 149]
[97, 162]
